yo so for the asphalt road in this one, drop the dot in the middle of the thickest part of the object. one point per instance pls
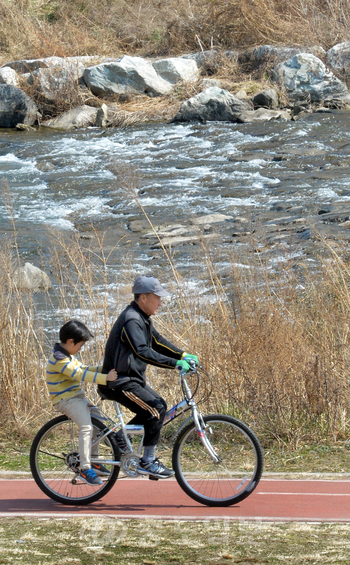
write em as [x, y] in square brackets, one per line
[273, 500]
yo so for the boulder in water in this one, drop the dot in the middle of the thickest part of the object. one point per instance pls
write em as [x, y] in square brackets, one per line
[31, 278]
[16, 107]
[213, 104]
[263, 115]
[80, 117]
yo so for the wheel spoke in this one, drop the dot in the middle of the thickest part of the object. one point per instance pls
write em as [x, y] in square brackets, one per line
[55, 463]
[51, 454]
[230, 479]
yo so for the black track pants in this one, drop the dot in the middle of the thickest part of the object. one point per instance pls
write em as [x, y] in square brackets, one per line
[149, 408]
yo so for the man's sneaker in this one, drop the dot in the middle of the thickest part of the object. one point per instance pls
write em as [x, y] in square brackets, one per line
[90, 477]
[121, 443]
[100, 470]
[155, 469]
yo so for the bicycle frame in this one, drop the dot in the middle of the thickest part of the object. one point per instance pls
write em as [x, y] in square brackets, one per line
[216, 458]
[130, 429]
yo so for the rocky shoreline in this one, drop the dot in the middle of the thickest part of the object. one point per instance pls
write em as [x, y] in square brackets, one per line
[300, 81]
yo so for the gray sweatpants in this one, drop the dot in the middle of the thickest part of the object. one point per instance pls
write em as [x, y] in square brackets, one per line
[77, 409]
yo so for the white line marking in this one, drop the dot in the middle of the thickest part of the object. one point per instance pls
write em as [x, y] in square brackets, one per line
[223, 518]
[305, 493]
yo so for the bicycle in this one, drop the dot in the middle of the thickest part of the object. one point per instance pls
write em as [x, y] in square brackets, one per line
[217, 459]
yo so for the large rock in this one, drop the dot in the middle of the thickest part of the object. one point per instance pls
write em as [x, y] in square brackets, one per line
[267, 98]
[177, 69]
[8, 76]
[16, 107]
[213, 104]
[305, 77]
[102, 116]
[263, 115]
[57, 83]
[211, 218]
[265, 54]
[30, 65]
[80, 117]
[338, 59]
[31, 278]
[129, 74]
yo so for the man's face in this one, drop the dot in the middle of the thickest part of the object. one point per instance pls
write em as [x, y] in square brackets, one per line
[150, 303]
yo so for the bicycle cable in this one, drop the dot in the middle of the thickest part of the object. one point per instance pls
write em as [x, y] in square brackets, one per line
[198, 374]
[207, 393]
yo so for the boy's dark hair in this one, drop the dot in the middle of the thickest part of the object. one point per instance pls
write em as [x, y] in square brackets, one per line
[136, 297]
[75, 330]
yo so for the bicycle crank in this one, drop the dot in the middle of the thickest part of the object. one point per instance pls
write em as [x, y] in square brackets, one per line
[129, 463]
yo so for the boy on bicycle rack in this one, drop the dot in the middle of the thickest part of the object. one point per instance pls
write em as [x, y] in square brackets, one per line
[132, 344]
[64, 375]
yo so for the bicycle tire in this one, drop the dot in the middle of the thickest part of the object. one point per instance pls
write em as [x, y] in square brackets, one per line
[230, 480]
[53, 451]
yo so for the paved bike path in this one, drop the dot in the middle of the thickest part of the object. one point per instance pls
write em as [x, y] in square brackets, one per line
[273, 500]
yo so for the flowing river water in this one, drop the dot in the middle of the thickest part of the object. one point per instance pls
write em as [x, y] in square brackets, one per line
[282, 186]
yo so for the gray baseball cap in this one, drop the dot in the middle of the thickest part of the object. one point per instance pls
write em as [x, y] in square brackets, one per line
[147, 285]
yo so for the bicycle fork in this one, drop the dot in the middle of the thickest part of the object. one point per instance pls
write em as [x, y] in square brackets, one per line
[199, 423]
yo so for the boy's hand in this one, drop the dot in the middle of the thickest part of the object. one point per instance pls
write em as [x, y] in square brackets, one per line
[112, 375]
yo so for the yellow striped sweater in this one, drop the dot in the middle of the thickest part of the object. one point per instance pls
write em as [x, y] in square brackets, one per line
[64, 374]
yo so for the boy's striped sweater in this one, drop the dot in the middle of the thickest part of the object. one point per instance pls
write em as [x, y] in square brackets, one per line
[64, 374]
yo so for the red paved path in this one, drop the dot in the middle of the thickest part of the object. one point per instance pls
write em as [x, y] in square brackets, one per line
[273, 500]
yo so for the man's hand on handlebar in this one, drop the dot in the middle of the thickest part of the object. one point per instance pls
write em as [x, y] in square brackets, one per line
[183, 365]
[187, 357]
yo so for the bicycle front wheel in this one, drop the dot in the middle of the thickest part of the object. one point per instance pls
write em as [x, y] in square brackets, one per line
[238, 466]
[54, 462]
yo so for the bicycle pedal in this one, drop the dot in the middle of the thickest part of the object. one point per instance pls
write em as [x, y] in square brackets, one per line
[153, 478]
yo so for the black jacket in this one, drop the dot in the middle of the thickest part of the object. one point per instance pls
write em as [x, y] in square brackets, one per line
[133, 343]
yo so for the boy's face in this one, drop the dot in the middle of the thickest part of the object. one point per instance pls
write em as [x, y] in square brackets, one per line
[72, 347]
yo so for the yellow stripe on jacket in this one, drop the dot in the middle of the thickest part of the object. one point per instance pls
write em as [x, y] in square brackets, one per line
[64, 377]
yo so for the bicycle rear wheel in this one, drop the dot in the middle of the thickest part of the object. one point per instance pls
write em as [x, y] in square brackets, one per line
[54, 462]
[233, 477]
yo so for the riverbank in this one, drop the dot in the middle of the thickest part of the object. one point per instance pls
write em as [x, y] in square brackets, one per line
[262, 84]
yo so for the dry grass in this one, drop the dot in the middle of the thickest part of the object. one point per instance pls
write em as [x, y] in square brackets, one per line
[39, 28]
[275, 344]
[22, 386]
[102, 539]
[42, 28]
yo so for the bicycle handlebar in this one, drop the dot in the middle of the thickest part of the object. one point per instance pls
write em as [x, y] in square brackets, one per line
[193, 366]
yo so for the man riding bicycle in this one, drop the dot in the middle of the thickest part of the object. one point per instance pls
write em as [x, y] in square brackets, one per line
[134, 343]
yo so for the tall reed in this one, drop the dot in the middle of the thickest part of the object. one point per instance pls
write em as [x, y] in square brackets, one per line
[275, 345]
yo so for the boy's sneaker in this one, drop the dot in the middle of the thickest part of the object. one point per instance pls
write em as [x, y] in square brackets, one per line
[155, 469]
[89, 476]
[100, 470]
